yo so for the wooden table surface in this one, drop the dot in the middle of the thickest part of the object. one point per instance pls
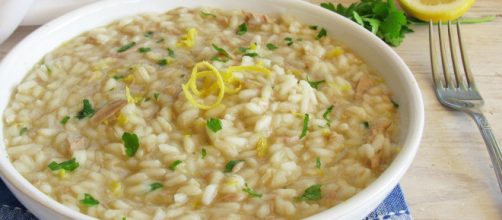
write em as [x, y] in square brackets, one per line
[451, 176]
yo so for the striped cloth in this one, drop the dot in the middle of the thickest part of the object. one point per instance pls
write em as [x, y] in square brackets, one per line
[394, 207]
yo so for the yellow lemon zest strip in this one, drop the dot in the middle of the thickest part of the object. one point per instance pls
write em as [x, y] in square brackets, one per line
[192, 82]
[258, 69]
[129, 97]
[189, 39]
[261, 147]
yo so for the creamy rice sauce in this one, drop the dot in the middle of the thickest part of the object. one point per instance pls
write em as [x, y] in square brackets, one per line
[283, 121]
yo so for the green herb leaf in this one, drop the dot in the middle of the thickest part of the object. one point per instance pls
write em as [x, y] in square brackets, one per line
[160, 40]
[117, 77]
[162, 62]
[313, 27]
[380, 17]
[131, 143]
[144, 49]
[305, 126]
[156, 96]
[220, 50]
[288, 41]
[148, 34]
[315, 84]
[322, 33]
[230, 165]
[69, 165]
[64, 120]
[214, 124]
[366, 124]
[170, 53]
[217, 58]
[242, 29]
[251, 54]
[87, 110]
[251, 192]
[155, 186]
[325, 115]
[313, 193]
[174, 164]
[23, 131]
[203, 153]
[395, 104]
[89, 200]
[271, 46]
[205, 14]
[318, 162]
[126, 47]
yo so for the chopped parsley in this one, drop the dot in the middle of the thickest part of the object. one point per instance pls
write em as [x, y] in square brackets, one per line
[230, 165]
[322, 33]
[305, 126]
[288, 41]
[160, 40]
[156, 96]
[155, 186]
[118, 77]
[126, 47]
[318, 162]
[203, 153]
[131, 143]
[87, 110]
[64, 120]
[251, 192]
[395, 104]
[380, 17]
[271, 46]
[148, 34]
[214, 124]
[69, 165]
[88, 200]
[313, 193]
[313, 27]
[162, 62]
[220, 50]
[242, 29]
[366, 124]
[252, 54]
[170, 52]
[175, 164]
[144, 49]
[23, 131]
[315, 84]
[216, 58]
[207, 14]
[325, 115]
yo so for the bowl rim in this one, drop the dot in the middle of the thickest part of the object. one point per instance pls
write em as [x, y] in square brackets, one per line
[381, 186]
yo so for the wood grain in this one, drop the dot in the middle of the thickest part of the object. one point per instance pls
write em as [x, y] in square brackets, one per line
[451, 176]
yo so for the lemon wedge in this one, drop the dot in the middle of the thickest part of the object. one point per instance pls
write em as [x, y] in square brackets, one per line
[436, 10]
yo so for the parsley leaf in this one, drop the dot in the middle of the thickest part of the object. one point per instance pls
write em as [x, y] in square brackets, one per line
[325, 115]
[88, 200]
[366, 124]
[203, 153]
[174, 164]
[214, 124]
[318, 162]
[155, 186]
[156, 96]
[207, 14]
[126, 47]
[313, 27]
[23, 131]
[230, 165]
[170, 52]
[305, 126]
[162, 62]
[148, 34]
[315, 84]
[380, 17]
[312, 193]
[144, 49]
[271, 46]
[251, 192]
[242, 29]
[395, 104]
[64, 120]
[131, 143]
[87, 110]
[322, 33]
[222, 56]
[288, 41]
[69, 165]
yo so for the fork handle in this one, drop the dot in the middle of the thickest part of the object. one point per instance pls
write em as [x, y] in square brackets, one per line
[491, 143]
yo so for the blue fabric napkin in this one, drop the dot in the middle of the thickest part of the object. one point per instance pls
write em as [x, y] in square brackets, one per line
[394, 207]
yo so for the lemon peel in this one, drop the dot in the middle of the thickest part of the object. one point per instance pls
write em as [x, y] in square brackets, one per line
[436, 10]
[191, 86]
[189, 39]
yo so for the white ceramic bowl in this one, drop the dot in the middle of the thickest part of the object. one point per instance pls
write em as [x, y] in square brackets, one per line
[371, 49]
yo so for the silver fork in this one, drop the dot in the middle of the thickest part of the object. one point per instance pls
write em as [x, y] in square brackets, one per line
[460, 93]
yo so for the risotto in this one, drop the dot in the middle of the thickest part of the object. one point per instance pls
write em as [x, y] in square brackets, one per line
[201, 114]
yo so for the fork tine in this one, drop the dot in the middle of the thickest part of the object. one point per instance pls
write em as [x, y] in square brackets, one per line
[454, 58]
[433, 52]
[446, 72]
[465, 61]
